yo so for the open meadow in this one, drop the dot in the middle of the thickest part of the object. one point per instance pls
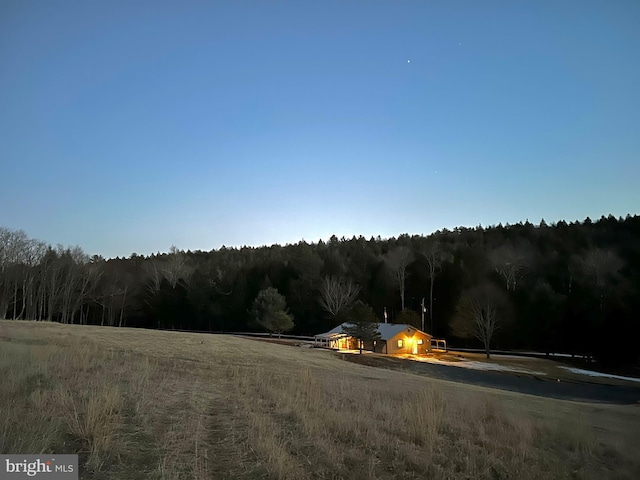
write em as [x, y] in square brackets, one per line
[138, 404]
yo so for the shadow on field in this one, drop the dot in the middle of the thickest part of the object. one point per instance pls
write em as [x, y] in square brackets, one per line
[521, 383]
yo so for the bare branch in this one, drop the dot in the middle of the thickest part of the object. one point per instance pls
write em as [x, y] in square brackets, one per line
[337, 293]
[511, 263]
[397, 260]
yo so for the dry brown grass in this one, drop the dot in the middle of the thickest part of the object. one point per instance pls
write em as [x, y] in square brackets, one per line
[150, 404]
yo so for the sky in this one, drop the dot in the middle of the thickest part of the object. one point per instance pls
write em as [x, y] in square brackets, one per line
[132, 126]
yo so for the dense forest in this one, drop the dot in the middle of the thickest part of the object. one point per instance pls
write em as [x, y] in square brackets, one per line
[562, 287]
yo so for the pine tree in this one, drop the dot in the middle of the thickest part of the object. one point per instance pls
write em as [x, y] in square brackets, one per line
[270, 311]
[363, 325]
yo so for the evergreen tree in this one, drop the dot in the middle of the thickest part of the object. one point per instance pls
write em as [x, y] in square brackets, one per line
[363, 324]
[270, 311]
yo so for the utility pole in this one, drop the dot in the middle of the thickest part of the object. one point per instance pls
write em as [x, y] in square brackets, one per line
[423, 310]
[433, 331]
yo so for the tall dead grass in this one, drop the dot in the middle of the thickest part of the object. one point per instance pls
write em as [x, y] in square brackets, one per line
[163, 405]
[105, 405]
[307, 424]
[95, 419]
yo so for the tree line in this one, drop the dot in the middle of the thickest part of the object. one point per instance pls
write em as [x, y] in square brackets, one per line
[561, 287]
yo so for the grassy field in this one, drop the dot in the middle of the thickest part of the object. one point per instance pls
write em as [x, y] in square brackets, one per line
[139, 404]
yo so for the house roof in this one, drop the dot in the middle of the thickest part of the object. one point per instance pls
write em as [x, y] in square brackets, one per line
[387, 331]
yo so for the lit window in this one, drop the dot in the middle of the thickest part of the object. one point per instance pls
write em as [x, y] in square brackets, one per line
[419, 341]
[400, 343]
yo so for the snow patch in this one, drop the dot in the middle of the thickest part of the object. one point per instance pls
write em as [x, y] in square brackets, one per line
[591, 373]
[513, 357]
[475, 365]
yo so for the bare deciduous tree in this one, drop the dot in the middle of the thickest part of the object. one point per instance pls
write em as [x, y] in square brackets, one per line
[14, 251]
[337, 293]
[54, 280]
[435, 255]
[176, 268]
[600, 267]
[153, 273]
[5, 239]
[30, 296]
[511, 263]
[397, 260]
[90, 275]
[481, 312]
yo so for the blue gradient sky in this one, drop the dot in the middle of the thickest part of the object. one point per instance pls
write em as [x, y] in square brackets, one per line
[131, 126]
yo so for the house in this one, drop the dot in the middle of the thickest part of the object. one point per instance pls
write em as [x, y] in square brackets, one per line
[394, 338]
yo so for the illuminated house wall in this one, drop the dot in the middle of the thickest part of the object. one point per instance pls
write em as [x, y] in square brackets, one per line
[410, 340]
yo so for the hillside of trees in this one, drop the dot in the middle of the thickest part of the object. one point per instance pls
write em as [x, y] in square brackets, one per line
[563, 287]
